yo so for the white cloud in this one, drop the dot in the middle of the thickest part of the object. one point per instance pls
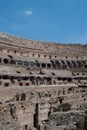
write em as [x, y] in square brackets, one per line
[28, 12]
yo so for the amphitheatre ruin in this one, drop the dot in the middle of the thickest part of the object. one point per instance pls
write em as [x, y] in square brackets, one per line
[43, 85]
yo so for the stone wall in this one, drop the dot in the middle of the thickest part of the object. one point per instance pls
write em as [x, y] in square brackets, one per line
[43, 86]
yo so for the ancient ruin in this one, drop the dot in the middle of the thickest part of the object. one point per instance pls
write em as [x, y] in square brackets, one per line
[43, 86]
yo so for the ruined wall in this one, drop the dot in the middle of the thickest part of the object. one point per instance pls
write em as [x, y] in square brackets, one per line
[42, 84]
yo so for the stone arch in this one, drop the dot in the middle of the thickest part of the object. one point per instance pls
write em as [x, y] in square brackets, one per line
[48, 81]
[79, 64]
[23, 97]
[48, 65]
[12, 62]
[26, 63]
[33, 80]
[69, 64]
[43, 65]
[53, 64]
[5, 61]
[58, 63]
[70, 90]
[38, 64]
[38, 55]
[40, 80]
[75, 65]
[31, 64]
[63, 64]
[19, 62]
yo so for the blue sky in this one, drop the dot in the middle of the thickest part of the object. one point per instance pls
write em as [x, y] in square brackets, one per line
[62, 21]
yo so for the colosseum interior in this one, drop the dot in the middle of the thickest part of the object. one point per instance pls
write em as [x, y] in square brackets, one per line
[43, 86]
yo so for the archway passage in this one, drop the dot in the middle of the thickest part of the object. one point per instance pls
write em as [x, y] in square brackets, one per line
[12, 62]
[5, 61]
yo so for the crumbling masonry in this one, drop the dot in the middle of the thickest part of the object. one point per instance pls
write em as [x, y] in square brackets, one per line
[43, 86]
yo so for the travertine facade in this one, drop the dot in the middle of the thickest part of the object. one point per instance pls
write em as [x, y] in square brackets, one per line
[43, 86]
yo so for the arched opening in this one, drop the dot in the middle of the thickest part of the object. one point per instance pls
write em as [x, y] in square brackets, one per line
[69, 80]
[23, 97]
[17, 97]
[44, 56]
[15, 51]
[19, 62]
[31, 64]
[27, 84]
[38, 64]
[54, 82]
[49, 81]
[26, 127]
[77, 57]
[53, 73]
[43, 65]
[12, 62]
[70, 90]
[49, 65]
[63, 64]
[55, 56]
[53, 64]
[64, 92]
[20, 84]
[59, 79]
[6, 84]
[32, 80]
[74, 64]
[50, 56]
[58, 64]
[85, 66]
[25, 78]
[5, 77]
[33, 54]
[64, 79]
[83, 62]
[26, 63]
[21, 53]
[5, 61]
[38, 55]
[79, 64]
[66, 57]
[83, 74]
[40, 81]
[0, 60]
[69, 64]
[18, 72]
[77, 73]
